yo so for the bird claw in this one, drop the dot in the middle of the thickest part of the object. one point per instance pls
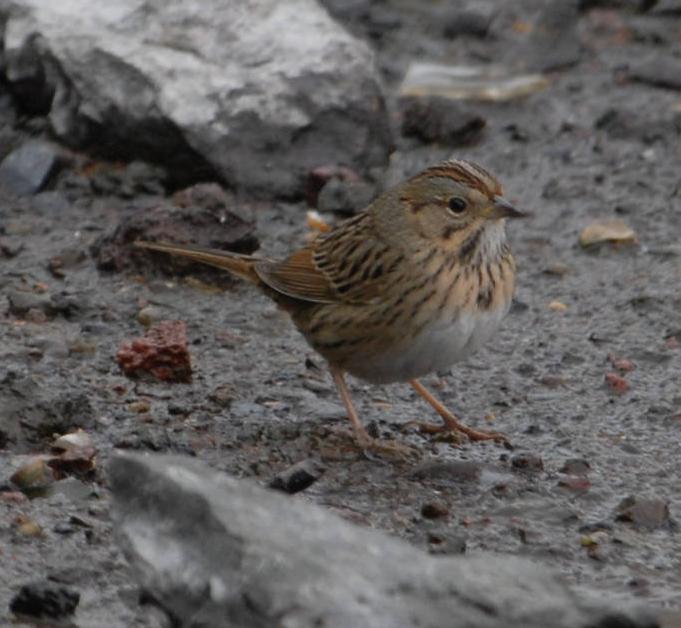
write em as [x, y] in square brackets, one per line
[372, 446]
[455, 432]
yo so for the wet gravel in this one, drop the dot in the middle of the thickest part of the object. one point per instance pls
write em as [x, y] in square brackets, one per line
[591, 484]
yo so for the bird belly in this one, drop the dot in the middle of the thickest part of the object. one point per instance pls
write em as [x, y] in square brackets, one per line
[436, 347]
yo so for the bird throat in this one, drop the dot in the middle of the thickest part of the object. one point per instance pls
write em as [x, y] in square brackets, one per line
[486, 243]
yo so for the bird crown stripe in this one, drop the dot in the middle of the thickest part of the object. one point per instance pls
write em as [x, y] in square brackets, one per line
[466, 172]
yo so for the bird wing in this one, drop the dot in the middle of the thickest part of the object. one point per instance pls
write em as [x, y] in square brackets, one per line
[297, 277]
[350, 264]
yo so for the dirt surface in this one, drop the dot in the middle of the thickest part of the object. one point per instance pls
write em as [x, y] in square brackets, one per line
[596, 144]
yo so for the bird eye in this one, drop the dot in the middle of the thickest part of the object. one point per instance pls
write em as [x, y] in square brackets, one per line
[457, 205]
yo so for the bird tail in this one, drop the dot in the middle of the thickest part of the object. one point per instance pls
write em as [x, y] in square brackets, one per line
[242, 266]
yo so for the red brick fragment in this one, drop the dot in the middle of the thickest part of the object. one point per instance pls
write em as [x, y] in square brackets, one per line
[623, 365]
[616, 382]
[575, 483]
[161, 352]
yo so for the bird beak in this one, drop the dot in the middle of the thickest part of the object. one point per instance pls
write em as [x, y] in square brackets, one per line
[501, 208]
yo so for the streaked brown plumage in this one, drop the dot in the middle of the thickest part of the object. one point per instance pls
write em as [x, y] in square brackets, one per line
[414, 283]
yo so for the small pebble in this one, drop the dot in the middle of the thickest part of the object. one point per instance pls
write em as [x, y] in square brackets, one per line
[27, 169]
[557, 306]
[77, 440]
[223, 395]
[149, 315]
[575, 483]
[575, 466]
[527, 462]
[434, 510]
[298, 477]
[616, 383]
[64, 528]
[45, 599]
[141, 406]
[28, 527]
[446, 543]
[34, 474]
[611, 231]
[621, 364]
[593, 540]
[648, 513]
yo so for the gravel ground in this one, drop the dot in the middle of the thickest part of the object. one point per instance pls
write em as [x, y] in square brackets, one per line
[594, 145]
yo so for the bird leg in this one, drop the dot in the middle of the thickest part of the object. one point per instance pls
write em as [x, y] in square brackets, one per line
[451, 423]
[362, 437]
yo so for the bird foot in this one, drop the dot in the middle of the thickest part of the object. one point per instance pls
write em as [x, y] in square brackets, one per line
[391, 448]
[340, 443]
[453, 432]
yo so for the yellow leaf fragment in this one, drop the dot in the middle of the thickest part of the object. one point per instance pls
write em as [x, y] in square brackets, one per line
[614, 231]
[316, 223]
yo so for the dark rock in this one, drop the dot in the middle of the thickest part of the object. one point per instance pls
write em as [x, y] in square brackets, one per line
[596, 526]
[28, 169]
[575, 483]
[347, 197]
[68, 259]
[517, 133]
[662, 71]
[374, 20]
[65, 528]
[446, 543]
[554, 43]
[21, 301]
[575, 466]
[468, 22]
[624, 124]
[527, 462]
[298, 477]
[45, 599]
[11, 248]
[631, 5]
[32, 414]
[318, 177]
[204, 214]
[133, 179]
[648, 513]
[258, 559]
[434, 510]
[256, 117]
[223, 395]
[439, 119]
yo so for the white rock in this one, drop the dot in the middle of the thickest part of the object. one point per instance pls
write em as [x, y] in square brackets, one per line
[258, 91]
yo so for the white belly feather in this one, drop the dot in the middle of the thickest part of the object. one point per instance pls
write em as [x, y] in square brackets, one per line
[436, 348]
[443, 342]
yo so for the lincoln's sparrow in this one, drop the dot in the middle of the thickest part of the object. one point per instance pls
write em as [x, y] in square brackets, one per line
[417, 281]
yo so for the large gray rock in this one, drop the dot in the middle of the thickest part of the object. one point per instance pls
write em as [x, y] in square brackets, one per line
[255, 91]
[214, 551]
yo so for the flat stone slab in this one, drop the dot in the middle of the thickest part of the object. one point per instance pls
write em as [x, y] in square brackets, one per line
[215, 551]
